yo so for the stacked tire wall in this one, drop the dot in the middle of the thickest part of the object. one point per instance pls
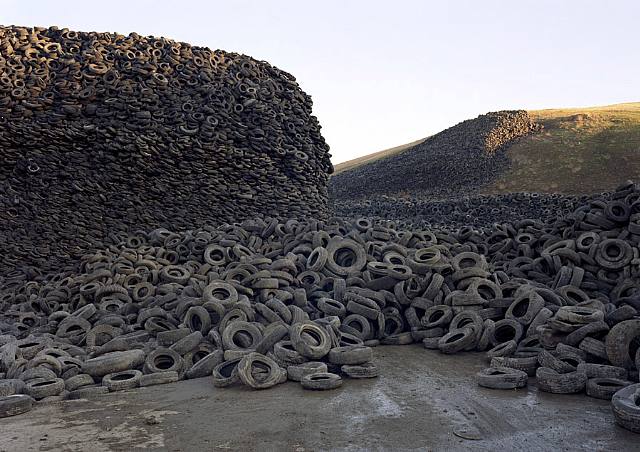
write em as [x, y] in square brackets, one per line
[453, 163]
[102, 134]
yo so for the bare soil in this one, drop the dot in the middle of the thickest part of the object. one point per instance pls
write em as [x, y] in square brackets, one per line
[422, 400]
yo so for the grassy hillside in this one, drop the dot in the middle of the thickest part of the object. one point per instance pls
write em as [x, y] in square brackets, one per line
[580, 150]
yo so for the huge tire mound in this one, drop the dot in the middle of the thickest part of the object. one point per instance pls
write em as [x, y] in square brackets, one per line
[102, 134]
[453, 163]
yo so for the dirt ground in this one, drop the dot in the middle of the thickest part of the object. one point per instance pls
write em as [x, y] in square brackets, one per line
[422, 400]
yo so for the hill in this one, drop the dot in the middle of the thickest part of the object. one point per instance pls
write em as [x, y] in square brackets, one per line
[456, 161]
[570, 151]
[580, 150]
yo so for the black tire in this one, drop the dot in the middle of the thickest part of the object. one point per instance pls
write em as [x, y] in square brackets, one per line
[226, 373]
[159, 378]
[622, 343]
[296, 372]
[527, 365]
[78, 381]
[367, 370]
[626, 407]
[505, 349]
[113, 362]
[119, 381]
[603, 371]
[204, 366]
[605, 388]
[11, 387]
[351, 355]
[502, 378]
[163, 360]
[306, 346]
[457, 340]
[321, 381]
[44, 387]
[15, 404]
[548, 380]
[258, 371]
[87, 392]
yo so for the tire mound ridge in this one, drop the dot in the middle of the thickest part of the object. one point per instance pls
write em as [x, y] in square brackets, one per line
[102, 133]
[452, 163]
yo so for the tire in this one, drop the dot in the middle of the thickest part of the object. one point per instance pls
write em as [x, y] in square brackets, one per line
[578, 335]
[603, 371]
[163, 360]
[296, 372]
[549, 380]
[270, 339]
[78, 381]
[457, 340]
[527, 365]
[605, 388]
[113, 362]
[187, 343]
[506, 330]
[44, 387]
[306, 347]
[437, 316]
[11, 386]
[15, 404]
[626, 408]
[119, 381]
[502, 378]
[525, 307]
[204, 366]
[248, 329]
[405, 338]
[619, 342]
[226, 373]
[547, 359]
[351, 355]
[87, 392]
[284, 351]
[258, 371]
[431, 343]
[159, 378]
[367, 370]
[505, 349]
[321, 381]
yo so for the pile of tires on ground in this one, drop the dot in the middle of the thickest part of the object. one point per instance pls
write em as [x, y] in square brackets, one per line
[263, 301]
[478, 211]
[103, 133]
[453, 163]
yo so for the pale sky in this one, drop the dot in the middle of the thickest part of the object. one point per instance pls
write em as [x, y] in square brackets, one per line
[383, 73]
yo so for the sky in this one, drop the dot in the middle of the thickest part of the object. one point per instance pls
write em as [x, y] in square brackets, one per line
[384, 73]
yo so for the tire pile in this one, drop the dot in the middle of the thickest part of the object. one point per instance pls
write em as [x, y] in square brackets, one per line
[478, 211]
[451, 164]
[102, 134]
[263, 301]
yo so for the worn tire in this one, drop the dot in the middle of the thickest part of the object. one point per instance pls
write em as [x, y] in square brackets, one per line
[605, 388]
[321, 381]
[549, 380]
[367, 370]
[502, 378]
[15, 404]
[626, 407]
[258, 371]
[351, 355]
[296, 372]
[619, 341]
[119, 381]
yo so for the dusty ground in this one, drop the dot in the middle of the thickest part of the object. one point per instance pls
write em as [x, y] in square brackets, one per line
[423, 400]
